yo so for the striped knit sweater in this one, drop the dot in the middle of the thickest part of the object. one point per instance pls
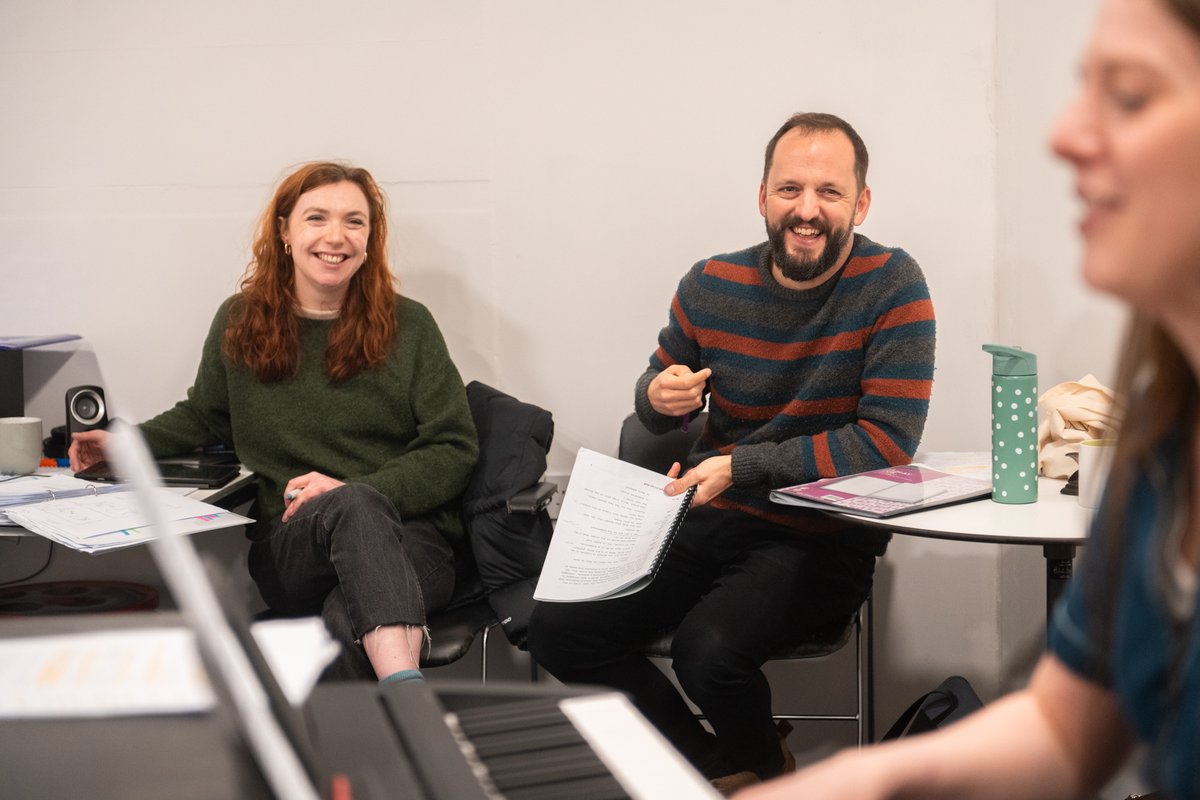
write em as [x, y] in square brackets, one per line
[806, 384]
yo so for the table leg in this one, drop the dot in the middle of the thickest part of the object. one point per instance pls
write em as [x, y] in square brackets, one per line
[871, 667]
[1060, 565]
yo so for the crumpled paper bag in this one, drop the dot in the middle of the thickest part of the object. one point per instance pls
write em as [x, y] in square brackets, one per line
[1071, 412]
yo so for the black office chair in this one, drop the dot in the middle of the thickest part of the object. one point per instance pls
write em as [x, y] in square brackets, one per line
[452, 633]
[657, 452]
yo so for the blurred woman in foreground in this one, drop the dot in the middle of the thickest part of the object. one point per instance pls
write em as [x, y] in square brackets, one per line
[1123, 666]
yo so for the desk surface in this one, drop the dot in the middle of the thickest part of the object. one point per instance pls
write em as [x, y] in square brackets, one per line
[1054, 518]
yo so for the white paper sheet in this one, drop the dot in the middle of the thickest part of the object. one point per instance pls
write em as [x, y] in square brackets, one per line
[102, 674]
[139, 671]
[103, 522]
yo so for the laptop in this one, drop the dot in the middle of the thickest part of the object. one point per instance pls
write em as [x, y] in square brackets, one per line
[171, 473]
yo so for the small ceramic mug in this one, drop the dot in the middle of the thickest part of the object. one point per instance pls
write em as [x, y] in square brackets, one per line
[1094, 457]
[20, 445]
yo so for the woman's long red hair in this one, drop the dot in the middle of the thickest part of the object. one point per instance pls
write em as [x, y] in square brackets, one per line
[263, 330]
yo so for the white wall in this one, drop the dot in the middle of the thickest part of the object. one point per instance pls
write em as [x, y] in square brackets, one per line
[1044, 303]
[553, 169]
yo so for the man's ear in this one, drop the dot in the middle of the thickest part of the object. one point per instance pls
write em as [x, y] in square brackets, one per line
[862, 205]
[762, 198]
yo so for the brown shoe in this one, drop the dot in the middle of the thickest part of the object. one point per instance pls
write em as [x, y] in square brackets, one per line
[783, 728]
[727, 785]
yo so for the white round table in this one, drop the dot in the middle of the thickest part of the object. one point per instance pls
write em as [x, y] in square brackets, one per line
[1056, 521]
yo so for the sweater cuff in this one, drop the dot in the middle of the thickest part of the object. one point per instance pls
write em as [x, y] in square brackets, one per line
[749, 463]
[654, 421]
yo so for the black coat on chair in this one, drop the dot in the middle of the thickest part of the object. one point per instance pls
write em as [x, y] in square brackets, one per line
[508, 534]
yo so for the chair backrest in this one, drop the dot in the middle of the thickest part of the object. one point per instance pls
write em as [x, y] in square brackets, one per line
[657, 451]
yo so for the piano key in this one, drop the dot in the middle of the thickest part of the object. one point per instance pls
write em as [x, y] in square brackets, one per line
[605, 787]
[544, 766]
[503, 743]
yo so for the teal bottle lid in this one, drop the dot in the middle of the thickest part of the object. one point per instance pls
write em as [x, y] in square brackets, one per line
[1011, 360]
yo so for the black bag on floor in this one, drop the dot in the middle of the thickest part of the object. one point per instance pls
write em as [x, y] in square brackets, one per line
[951, 700]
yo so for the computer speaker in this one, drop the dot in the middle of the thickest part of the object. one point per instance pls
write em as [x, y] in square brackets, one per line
[85, 410]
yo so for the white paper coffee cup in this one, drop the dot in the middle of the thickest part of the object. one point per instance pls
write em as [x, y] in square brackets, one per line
[20, 445]
[1094, 458]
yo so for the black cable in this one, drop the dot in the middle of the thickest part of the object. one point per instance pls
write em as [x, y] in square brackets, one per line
[45, 565]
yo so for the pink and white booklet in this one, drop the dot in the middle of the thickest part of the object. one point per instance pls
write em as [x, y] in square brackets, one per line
[885, 492]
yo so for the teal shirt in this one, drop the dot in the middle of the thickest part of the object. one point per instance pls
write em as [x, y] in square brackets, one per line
[403, 427]
[1154, 657]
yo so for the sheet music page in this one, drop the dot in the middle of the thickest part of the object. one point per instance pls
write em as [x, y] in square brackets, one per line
[609, 531]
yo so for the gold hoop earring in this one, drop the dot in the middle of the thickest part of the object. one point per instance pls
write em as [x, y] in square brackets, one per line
[287, 249]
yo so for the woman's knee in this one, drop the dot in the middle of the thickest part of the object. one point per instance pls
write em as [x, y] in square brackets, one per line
[353, 498]
[358, 514]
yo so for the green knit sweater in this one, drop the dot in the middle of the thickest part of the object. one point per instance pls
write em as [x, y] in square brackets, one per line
[404, 427]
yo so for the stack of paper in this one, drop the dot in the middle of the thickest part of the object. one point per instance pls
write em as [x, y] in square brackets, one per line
[28, 489]
[97, 522]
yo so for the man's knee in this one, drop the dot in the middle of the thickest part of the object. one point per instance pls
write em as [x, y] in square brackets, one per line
[565, 637]
[547, 625]
[705, 662]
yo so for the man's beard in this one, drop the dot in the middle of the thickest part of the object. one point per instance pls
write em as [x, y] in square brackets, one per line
[802, 268]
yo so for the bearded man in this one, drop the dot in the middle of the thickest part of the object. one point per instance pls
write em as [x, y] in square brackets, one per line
[814, 352]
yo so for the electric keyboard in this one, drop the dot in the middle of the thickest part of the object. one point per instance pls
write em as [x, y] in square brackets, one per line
[467, 741]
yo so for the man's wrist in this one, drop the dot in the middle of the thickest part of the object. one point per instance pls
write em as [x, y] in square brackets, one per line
[747, 465]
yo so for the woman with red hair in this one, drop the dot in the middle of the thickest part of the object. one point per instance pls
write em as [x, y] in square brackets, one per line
[341, 396]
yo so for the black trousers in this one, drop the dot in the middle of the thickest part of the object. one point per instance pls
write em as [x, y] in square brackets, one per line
[347, 556]
[737, 589]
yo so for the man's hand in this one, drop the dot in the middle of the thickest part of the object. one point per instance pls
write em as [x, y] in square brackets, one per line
[87, 448]
[301, 489]
[677, 390]
[710, 477]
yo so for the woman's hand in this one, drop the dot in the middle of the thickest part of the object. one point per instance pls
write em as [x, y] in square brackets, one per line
[87, 448]
[301, 489]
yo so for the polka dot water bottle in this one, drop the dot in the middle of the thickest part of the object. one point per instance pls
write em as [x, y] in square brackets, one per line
[1014, 424]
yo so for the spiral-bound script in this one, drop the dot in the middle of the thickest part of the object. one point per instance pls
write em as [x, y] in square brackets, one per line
[613, 530]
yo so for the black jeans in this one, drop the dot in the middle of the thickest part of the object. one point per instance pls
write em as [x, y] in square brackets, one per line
[737, 589]
[346, 556]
